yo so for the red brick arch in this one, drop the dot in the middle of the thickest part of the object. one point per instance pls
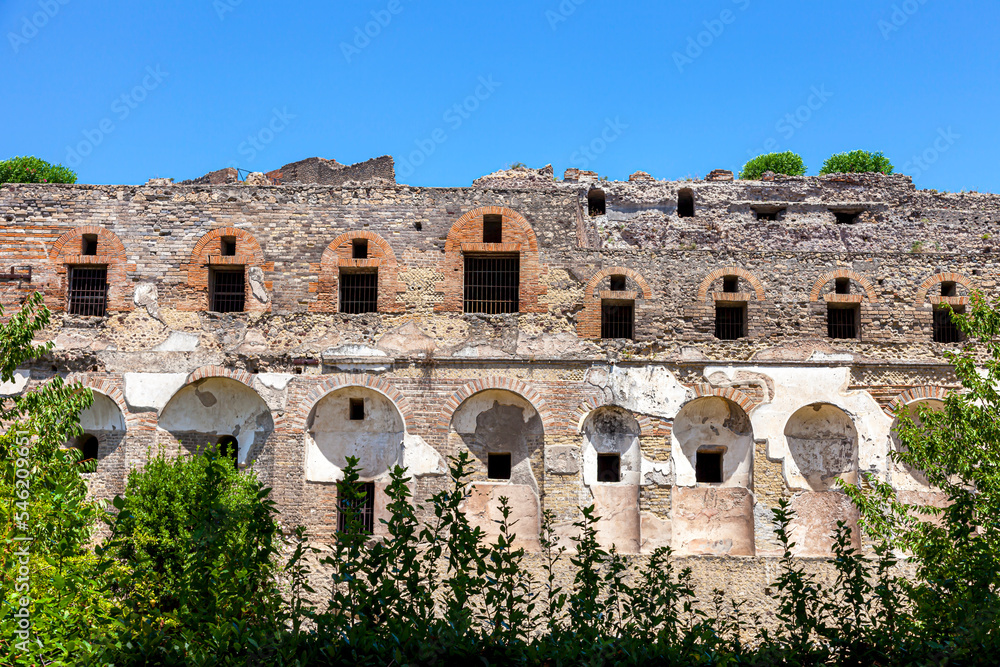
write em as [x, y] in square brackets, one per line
[219, 372]
[207, 253]
[916, 394]
[706, 284]
[512, 385]
[466, 235]
[728, 393]
[844, 273]
[336, 382]
[66, 252]
[588, 323]
[937, 279]
[338, 255]
[110, 388]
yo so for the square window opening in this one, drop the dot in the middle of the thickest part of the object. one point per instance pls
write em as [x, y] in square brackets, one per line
[358, 292]
[708, 466]
[357, 409]
[89, 245]
[731, 284]
[843, 323]
[765, 214]
[617, 319]
[228, 290]
[596, 203]
[846, 217]
[363, 508]
[492, 228]
[730, 322]
[498, 466]
[949, 288]
[843, 286]
[492, 284]
[228, 246]
[618, 284]
[359, 249]
[609, 468]
[945, 330]
[88, 291]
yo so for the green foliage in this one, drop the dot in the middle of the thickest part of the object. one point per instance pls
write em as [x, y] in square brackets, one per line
[857, 162]
[787, 163]
[34, 170]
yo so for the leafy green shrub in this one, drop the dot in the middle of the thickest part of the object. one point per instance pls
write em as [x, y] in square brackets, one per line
[857, 162]
[34, 170]
[787, 163]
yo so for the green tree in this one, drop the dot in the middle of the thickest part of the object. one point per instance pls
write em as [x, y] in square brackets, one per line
[33, 170]
[787, 163]
[857, 162]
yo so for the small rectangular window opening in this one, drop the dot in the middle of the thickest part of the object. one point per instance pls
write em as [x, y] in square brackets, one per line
[357, 409]
[492, 228]
[359, 249]
[708, 466]
[730, 322]
[731, 284]
[498, 466]
[89, 245]
[359, 292]
[492, 284]
[609, 468]
[365, 508]
[843, 286]
[949, 288]
[596, 203]
[228, 246]
[227, 290]
[769, 214]
[846, 217]
[945, 330]
[88, 291]
[842, 323]
[618, 319]
[618, 284]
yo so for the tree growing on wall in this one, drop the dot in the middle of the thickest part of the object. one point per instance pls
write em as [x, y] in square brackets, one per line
[787, 163]
[34, 170]
[857, 162]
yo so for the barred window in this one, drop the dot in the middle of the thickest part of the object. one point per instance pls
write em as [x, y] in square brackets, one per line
[843, 323]
[227, 290]
[617, 319]
[365, 508]
[492, 283]
[88, 291]
[730, 322]
[946, 331]
[359, 291]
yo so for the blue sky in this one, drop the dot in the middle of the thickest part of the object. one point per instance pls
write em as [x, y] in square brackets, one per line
[123, 92]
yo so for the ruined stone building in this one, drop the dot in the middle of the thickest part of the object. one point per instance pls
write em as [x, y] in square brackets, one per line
[680, 354]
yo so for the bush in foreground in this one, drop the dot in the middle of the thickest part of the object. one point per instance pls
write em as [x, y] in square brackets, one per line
[787, 163]
[857, 162]
[34, 170]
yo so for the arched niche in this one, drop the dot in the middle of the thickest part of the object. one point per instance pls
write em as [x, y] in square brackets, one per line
[353, 421]
[608, 432]
[713, 435]
[822, 446]
[904, 477]
[102, 421]
[207, 410]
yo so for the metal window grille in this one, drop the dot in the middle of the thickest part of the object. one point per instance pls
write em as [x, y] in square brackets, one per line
[492, 283]
[609, 467]
[842, 322]
[708, 467]
[365, 508]
[228, 290]
[358, 292]
[945, 331]
[88, 291]
[730, 322]
[617, 319]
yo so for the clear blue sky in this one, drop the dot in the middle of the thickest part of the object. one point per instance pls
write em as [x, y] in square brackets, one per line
[128, 91]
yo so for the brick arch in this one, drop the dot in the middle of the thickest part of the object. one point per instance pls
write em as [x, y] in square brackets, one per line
[339, 255]
[588, 323]
[591, 405]
[728, 393]
[378, 384]
[242, 377]
[66, 252]
[915, 394]
[207, 254]
[844, 273]
[549, 423]
[466, 235]
[706, 284]
[936, 279]
[109, 388]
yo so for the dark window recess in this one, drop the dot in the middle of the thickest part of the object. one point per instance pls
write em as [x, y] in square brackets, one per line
[609, 468]
[492, 228]
[363, 506]
[731, 284]
[846, 217]
[229, 246]
[492, 283]
[949, 288]
[708, 466]
[842, 286]
[842, 322]
[357, 409]
[730, 322]
[229, 448]
[685, 204]
[769, 214]
[498, 466]
[359, 249]
[88, 444]
[89, 244]
[596, 202]
[88, 291]
[618, 284]
[618, 319]
[946, 331]
[358, 292]
[228, 291]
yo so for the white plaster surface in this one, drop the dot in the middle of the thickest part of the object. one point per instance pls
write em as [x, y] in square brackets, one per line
[711, 421]
[650, 390]
[102, 415]
[612, 430]
[151, 391]
[16, 385]
[275, 380]
[420, 459]
[178, 341]
[464, 420]
[354, 351]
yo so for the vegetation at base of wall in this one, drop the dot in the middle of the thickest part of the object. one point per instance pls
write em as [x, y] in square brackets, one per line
[787, 163]
[857, 162]
[33, 170]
